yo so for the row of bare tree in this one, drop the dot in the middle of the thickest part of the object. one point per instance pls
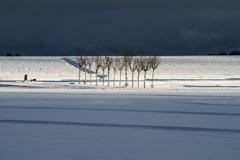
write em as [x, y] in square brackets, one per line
[134, 63]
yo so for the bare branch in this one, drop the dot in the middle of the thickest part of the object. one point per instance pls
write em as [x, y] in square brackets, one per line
[115, 67]
[133, 64]
[155, 62]
[146, 66]
[97, 66]
[103, 66]
[109, 62]
[90, 63]
[139, 62]
[80, 62]
[120, 63]
[115, 64]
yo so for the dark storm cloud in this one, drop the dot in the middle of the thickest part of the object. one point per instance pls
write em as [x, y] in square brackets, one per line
[77, 6]
[169, 25]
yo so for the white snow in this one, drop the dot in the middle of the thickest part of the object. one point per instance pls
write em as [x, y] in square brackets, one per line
[213, 73]
[192, 113]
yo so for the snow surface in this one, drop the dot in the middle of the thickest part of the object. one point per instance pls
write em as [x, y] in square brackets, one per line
[192, 113]
[214, 73]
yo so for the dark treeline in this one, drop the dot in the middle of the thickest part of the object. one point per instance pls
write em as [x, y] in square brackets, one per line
[45, 51]
[10, 54]
[233, 53]
[129, 51]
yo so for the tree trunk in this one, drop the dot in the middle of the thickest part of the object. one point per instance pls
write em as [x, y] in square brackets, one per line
[120, 79]
[79, 76]
[103, 77]
[152, 78]
[132, 79]
[126, 84]
[90, 76]
[108, 77]
[138, 78]
[96, 78]
[85, 75]
[114, 79]
[145, 72]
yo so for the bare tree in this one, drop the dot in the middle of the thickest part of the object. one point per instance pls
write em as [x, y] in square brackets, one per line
[90, 63]
[126, 66]
[155, 62]
[84, 61]
[127, 60]
[139, 66]
[97, 66]
[80, 62]
[103, 66]
[146, 66]
[109, 62]
[120, 65]
[133, 64]
[115, 67]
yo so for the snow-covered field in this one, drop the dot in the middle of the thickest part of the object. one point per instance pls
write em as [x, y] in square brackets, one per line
[193, 112]
[175, 73]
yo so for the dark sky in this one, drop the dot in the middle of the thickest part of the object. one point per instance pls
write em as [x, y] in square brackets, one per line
[166, 26]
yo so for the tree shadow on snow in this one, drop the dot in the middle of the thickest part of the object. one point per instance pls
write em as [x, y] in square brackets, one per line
[75, 64]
